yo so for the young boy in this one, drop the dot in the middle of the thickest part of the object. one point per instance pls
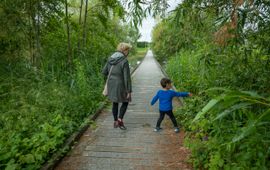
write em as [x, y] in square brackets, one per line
[165, 97]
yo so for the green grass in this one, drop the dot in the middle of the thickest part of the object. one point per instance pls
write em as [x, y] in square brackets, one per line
[138, 56]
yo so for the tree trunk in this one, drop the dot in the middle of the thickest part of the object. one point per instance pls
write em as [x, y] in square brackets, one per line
[38, 57]
[84, 28]
[69, 61]
[80, 24]
[31, 44]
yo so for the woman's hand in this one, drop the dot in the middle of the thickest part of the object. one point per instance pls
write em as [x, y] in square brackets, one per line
[129, 96]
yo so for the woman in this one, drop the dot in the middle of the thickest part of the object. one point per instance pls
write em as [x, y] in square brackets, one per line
[119, 82]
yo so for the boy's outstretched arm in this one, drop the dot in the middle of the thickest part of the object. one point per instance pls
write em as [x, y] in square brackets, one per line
[183, 94]
[154, 100]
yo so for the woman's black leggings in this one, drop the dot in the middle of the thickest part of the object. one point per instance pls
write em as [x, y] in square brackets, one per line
[170, 114]
[123, 110]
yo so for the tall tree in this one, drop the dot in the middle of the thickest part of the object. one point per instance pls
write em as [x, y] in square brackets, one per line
[84, 27]
[37, 25]
[80, 24]
[69, 52]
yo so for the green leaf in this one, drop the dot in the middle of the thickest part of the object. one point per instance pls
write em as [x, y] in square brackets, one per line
[11, 165]
[263, 115]
[29, 158]
[231, 109]
[5, 156]
[246, 131]
[206, 108]
[251, 93]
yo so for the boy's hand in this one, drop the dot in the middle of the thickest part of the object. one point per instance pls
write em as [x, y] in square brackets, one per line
[190, 94]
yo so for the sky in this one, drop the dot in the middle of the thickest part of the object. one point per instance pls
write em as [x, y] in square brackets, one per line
[149, 22]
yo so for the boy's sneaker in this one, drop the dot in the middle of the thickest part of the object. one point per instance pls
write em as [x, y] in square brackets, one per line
[176, 130]
[157, 129]
[121, 125]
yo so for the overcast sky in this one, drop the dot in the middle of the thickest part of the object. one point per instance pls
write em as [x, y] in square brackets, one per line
[149, 23]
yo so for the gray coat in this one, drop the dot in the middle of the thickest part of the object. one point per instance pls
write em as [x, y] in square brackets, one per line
[119, 82]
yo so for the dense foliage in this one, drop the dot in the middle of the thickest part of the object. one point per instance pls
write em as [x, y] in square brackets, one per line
[50, 62]
[218, 51]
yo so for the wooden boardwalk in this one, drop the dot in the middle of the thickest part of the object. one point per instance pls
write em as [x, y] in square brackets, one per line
[138, 147]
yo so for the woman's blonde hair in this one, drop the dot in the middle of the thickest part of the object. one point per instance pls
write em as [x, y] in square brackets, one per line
[123, 47]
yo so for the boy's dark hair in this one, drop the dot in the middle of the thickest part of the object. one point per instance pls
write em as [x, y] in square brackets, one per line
[164, 82]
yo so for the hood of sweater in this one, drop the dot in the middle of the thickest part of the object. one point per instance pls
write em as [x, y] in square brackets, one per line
[116, 58]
